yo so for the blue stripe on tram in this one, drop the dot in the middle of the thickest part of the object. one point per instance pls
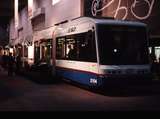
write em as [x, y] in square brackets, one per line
[81, 77]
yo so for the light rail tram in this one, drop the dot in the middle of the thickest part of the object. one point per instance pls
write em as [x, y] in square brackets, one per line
[92, 51]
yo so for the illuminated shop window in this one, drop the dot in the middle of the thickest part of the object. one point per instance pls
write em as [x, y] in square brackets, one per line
[150, 50]
[157, 52]
[30, 52]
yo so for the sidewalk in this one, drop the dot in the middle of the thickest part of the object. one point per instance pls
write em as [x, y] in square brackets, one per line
[42, 77]
[12, 86]
[18, 93]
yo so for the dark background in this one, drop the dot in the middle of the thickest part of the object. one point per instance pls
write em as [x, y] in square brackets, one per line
[6, 13]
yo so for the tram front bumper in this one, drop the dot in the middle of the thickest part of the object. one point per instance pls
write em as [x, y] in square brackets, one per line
[127, 79]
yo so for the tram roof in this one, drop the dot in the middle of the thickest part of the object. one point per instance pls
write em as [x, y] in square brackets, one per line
[108, 21]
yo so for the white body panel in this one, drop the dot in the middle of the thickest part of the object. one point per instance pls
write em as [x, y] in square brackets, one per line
[124, 69]
[84, 24]
[77, 65]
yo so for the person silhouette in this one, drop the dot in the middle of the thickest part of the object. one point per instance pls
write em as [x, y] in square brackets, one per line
[72, 53]
[10, 64]
[18, 64]
[4, 60]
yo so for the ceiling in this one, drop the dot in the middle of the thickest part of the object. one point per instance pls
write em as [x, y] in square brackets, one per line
[7, 10]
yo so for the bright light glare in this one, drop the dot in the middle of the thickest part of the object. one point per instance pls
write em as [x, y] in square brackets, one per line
[16, 13]
[115, 50]
[30, 52]
[55, 2]
[30, 8]
[11, 50]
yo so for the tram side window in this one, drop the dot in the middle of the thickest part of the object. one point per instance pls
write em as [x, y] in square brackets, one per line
[60, 48]
[71, 45]
[87, 47]
[77, 47]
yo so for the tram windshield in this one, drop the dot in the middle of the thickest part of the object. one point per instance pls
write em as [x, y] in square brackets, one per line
[122, 45]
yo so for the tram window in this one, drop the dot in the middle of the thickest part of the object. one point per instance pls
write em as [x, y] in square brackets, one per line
[71, 48]
[87, 48]
[78, 47]
[60, 48]
[122, 45]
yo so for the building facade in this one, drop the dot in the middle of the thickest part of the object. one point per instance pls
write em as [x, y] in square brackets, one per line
[21, 37]
[36, 26]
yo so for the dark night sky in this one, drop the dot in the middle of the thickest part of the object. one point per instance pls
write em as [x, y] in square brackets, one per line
[7, 10]
[6, 13]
